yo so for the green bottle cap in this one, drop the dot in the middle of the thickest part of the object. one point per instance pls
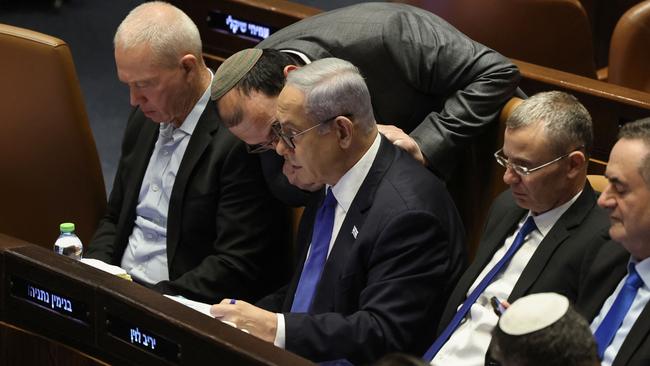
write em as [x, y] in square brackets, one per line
[66, 227]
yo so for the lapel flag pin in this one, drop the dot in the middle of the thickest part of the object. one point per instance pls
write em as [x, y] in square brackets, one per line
[355, 232]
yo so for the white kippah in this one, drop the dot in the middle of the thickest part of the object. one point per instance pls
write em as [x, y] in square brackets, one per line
[533, 312]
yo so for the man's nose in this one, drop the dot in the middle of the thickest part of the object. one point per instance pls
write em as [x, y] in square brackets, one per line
[605, 200]
[510, 176]
[135, 97]
[281, 147]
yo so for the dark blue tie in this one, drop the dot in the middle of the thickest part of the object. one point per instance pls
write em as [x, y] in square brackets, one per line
[614, 318]
[526, 228]
[314, 264]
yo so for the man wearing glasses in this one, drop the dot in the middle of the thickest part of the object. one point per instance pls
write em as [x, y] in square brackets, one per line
[537, 232]
[433, 89]
[381, 246]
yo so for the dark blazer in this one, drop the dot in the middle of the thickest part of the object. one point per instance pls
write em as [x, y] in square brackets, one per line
[223, 237]
[381, 291]
[557, 263]
[424, 76]
[608, 267]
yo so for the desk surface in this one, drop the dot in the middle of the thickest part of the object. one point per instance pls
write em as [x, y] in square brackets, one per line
[115, 320]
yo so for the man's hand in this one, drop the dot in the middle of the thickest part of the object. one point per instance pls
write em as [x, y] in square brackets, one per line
[258, 322]
[403, 141]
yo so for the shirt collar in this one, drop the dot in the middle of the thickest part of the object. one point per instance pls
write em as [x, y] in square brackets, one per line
[302, 56]
[642, 268]
[192, 119]
[347, 187]
[546, 220]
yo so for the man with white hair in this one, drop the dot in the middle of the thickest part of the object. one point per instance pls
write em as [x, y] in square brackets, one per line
[189, 212]
[380, 255]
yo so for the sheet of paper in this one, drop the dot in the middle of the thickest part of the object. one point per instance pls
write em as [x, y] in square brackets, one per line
[200, 307]
[109, 268]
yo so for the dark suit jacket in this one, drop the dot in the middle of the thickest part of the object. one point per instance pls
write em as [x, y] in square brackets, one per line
[608, 267]
[381, 291]
[424, 76]
[557, 263]
[222, 229]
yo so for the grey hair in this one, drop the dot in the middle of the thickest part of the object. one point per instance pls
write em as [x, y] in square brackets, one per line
[166, 29]
[639, 130]
[567, 123]
[334, 87]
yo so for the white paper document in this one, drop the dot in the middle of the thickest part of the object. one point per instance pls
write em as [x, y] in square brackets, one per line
[200, 307]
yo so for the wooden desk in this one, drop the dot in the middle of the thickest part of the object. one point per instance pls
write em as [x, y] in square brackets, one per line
[49, 302]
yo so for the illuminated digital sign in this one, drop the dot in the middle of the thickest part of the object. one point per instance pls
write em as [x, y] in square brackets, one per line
[230, 24]
[142, 338]
[48, 299]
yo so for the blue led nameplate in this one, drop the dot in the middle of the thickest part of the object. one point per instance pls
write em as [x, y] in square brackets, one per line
[142, 338]
[49, 299]
[238, 26]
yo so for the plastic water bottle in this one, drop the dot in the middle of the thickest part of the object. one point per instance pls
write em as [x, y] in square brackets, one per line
[68, 243]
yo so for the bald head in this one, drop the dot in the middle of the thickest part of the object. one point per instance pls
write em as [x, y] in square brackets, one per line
[168, 31]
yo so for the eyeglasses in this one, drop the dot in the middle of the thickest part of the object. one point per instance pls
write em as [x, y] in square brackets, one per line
[289, 137]
[522, 170]
[260, 148]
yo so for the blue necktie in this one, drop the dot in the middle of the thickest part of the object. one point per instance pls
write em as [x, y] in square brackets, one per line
[314, 264]
[614, 318]
[526, 228]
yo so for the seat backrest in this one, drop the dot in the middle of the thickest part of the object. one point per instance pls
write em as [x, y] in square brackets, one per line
[551, 33]
[598, 182]
[629, 51]
[48, 159]
[596, 174]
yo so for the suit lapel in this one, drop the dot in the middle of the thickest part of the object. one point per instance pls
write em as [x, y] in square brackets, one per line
[312, 50]
[355, 217]
[571, 219]
[141, 155]
[606, 270]
[637, 336]
[493, 240]
[490, 244]
[305, 230]
[201, 137]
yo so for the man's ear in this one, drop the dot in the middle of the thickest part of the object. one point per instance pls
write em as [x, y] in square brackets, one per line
[577, 162]
[343, 128]
[188, 63]
[289, 68]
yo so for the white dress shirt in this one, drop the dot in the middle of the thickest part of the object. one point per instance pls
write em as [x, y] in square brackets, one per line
[344, 191]
[639, 303]
[301, 55]
[145, 257]
[468, 344]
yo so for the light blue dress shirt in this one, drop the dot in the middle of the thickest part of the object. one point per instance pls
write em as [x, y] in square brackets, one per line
[145, 257]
